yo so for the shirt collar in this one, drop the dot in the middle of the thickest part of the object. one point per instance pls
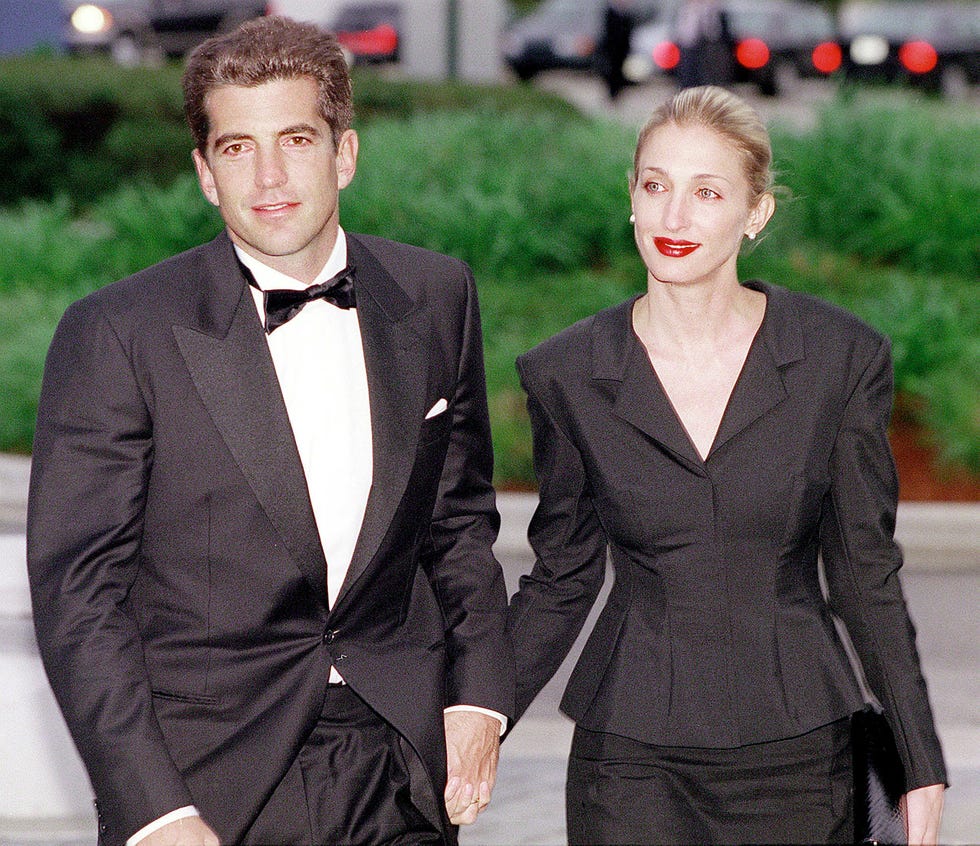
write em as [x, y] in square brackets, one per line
[268, 278]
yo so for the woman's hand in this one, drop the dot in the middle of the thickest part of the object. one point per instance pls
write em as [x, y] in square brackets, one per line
[923, 810]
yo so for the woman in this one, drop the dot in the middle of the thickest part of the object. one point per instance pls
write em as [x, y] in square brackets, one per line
[717, 437]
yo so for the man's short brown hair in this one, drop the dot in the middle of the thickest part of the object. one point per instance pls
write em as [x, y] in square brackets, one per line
[264, 50]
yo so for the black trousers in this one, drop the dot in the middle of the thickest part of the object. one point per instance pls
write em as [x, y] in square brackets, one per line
[621, 791]
[349, 786]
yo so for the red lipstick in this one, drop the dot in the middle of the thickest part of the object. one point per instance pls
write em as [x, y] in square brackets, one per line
[675, 249]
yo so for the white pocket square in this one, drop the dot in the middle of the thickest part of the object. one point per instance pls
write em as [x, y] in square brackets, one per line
[438, 408]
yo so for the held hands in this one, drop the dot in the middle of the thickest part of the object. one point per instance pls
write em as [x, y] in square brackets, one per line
[923, 811]
[189, 831]
[472, 748]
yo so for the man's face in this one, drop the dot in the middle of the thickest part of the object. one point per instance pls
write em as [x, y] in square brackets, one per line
[272, 170]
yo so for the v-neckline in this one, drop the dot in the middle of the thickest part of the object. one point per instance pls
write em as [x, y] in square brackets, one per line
[642, 350]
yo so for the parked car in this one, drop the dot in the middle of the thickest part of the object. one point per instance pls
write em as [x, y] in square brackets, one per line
[134, 31]
[934, 45]
[775, 44]
[564, 34]
[370, 32]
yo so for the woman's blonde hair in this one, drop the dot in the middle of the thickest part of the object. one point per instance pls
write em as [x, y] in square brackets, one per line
[727, 114]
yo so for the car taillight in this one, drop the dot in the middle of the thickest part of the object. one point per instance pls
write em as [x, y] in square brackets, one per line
[918, 56]
[666, 55]
[380, 41]
[752, 53]
[827, 57]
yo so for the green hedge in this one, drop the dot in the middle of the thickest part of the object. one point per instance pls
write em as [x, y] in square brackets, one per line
[73, 127]
[534, 197]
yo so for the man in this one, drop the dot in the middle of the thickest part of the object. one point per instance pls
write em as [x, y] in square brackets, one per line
[614, 45]
[259, 527]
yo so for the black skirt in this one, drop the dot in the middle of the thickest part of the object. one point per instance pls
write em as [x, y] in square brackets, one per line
[798, 790]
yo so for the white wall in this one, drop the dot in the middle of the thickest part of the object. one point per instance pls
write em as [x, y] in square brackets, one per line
[41, 775]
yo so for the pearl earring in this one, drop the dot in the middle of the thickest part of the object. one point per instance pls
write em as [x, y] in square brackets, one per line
[632, 218]
[751, 236]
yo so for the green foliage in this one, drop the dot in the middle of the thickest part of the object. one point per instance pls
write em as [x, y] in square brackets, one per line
[377, 97]
[515, 194]
[890, 182]
[534, 197]
[70, 127]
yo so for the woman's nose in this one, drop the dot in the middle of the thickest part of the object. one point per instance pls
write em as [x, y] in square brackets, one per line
[677, 213]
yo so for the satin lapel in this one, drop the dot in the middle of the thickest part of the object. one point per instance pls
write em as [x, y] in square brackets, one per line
[396, 363]
[640, 400]
[235, 377]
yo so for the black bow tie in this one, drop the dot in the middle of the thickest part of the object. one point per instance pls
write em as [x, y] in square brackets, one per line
[282, 305]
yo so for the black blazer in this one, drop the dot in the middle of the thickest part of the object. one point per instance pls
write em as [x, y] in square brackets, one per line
[716, 633]
[177, 576]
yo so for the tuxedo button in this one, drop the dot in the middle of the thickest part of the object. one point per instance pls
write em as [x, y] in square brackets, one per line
[330, 635]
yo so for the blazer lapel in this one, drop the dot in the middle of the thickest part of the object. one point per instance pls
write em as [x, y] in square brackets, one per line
[396, 361]
[760, 387]
[231, 367]
[641, 401]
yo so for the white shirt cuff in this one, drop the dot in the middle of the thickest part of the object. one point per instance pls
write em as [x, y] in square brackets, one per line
[173, 816]
[485, 711]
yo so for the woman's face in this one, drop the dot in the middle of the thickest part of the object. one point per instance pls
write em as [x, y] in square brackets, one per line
[692, 205]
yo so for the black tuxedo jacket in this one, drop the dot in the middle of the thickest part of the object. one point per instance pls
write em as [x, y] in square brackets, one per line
[716, 632]
[178, 581]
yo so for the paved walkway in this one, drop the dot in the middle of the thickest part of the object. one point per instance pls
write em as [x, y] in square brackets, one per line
[942, 583]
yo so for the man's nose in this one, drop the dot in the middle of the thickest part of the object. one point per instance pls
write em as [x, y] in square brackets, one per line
[270, 168]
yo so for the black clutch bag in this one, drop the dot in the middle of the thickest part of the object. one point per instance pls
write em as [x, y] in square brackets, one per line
[879, 780]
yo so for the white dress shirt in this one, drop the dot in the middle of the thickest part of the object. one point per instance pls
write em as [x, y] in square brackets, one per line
[319, 361]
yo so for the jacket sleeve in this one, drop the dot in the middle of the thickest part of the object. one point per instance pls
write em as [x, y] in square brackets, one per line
[467, 579]
[553, 602]
[91, 460]
[862, 561]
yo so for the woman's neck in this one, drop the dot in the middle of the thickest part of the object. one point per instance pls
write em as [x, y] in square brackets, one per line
[675, 319]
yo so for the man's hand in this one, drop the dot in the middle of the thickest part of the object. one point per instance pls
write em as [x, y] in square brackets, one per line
[189, 831]
[472, 747]
[923, 813]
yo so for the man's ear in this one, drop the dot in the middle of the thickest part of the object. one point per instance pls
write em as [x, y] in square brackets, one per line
[346, 158]
[204, 177]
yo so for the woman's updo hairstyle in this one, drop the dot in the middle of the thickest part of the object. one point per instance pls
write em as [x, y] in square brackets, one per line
[727, 114]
